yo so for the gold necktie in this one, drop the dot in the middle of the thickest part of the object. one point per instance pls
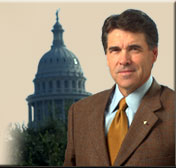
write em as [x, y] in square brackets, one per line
[117, 131]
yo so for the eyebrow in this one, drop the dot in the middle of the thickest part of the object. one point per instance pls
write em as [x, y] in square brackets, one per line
[134, 46]
[116, 48]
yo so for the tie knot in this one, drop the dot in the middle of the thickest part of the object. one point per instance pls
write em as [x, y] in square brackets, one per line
[122, 104]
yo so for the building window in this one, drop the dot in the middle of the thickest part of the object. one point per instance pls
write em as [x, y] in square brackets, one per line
[38, 106]
[79, 84]
[73, 84]
[58, 84]
[43, 86]
[83, 85]
[75, 61]
[66, 84]
[38, 86]
[50, 85]
[32, 112]
[38, 115]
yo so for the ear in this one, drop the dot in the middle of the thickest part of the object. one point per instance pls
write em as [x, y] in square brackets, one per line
[155, 53]
[107, 59]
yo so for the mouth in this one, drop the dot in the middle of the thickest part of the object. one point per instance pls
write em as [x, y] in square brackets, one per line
[126, 72]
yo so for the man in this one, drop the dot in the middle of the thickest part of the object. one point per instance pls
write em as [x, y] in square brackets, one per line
[131, 124]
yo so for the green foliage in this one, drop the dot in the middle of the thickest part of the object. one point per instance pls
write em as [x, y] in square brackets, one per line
[42, 146]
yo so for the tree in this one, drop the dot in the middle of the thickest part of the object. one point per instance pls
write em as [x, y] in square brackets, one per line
[42, 146]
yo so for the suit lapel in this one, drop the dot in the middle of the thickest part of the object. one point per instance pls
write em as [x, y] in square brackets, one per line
[138, 130]
[97, 126]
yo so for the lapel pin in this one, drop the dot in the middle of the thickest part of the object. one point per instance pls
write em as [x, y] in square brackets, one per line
[145, 122]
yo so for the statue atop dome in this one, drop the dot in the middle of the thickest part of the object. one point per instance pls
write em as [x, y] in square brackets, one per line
[57, 11]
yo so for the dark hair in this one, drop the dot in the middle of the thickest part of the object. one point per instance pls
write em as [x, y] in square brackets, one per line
[134, 21]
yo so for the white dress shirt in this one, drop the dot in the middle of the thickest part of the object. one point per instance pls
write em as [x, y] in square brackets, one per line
[133, 101]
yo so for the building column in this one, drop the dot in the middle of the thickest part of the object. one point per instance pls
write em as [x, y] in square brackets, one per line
[53, 109]
[35, 111]
[76, 82]
[43, 111]
[29, 113]
[62, 85]
[63, 110]
[69, 85]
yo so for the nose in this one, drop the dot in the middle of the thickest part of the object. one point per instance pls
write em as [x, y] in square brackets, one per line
[124, 58]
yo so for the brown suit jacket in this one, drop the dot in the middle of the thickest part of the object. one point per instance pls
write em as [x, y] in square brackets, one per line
[152, 144]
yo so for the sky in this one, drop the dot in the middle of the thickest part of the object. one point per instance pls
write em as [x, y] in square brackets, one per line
[25, 36]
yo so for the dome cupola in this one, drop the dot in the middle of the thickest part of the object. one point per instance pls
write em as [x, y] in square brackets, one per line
[58, 60]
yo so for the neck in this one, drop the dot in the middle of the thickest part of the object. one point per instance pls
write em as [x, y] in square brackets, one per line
[126, 91]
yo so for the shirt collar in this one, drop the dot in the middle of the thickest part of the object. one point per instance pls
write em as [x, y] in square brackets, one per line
[133, 100]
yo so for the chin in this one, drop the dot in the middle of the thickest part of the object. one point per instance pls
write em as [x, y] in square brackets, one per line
[126, 85]
[127, 82]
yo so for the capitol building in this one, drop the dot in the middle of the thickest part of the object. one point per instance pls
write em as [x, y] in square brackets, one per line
[58, 83]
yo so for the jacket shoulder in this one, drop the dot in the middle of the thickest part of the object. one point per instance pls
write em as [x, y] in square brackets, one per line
[167, 94]
[94, 99]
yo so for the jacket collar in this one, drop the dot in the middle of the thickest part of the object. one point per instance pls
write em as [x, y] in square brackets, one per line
[137, 131]
[144, 119]
[97, 126]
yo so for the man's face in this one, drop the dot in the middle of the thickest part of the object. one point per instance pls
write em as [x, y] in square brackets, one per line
[129, 59]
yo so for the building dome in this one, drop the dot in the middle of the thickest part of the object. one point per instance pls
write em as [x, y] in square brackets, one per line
[58, 83]
[59, 61]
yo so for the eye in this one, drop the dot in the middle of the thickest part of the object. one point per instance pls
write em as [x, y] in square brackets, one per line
[114, 49]
[135, 48]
